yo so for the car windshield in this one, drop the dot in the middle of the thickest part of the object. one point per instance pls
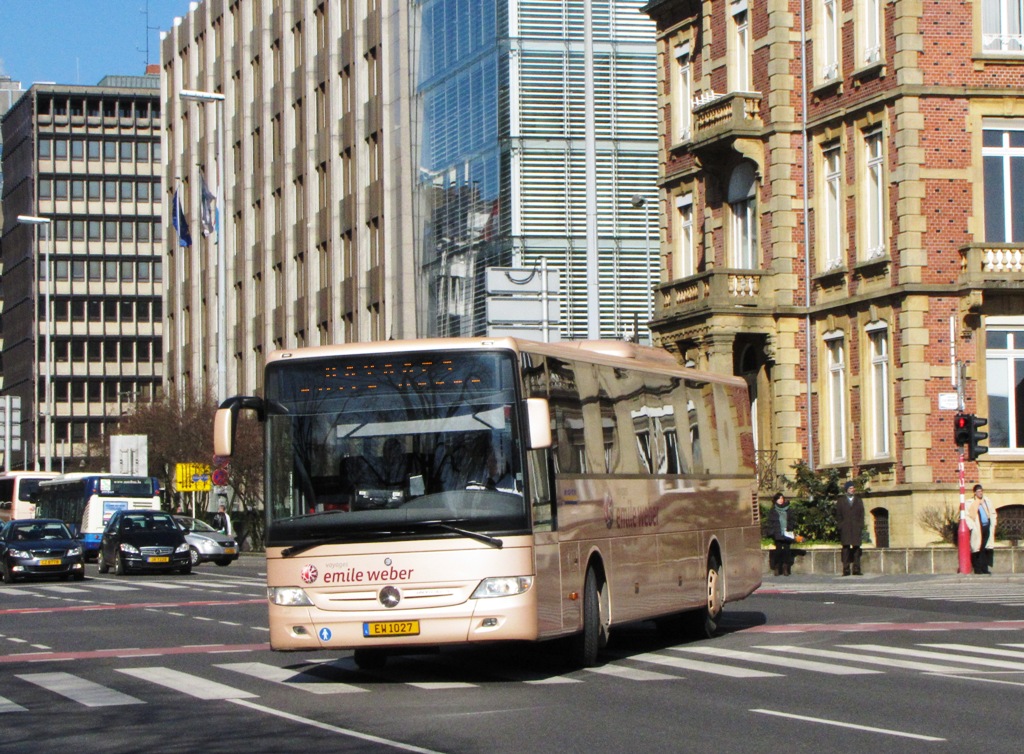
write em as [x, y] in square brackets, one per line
[381, 441]
[196, 524]
[160, 522]
[36, 532]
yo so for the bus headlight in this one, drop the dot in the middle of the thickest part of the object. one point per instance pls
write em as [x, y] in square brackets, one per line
[503, 586]
[125, 547]
[288, 596]
[183, 547]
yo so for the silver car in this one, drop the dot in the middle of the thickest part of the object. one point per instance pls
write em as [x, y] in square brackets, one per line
[206, 543]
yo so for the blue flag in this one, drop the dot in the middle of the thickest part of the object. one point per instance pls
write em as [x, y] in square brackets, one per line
[180, 223]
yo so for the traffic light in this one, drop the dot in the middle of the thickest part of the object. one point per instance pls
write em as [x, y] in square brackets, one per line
[974, 449]
[962, 429]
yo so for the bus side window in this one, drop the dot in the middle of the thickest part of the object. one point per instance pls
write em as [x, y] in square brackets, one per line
[541, 499]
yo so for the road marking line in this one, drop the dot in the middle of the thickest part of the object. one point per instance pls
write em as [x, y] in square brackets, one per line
[852, 726]
[700, 666]
[979, 650]
[314, 684]
[441, 685]
[79, 690]
[192, 685]
[333, 728]
[633, 674]
[63, 589]
[786, 662]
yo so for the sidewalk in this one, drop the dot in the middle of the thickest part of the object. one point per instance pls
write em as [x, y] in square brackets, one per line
[896, 561]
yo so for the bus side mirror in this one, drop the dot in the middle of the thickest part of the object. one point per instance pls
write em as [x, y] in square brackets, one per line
[538, 419]
[227, 416]
[223, 432]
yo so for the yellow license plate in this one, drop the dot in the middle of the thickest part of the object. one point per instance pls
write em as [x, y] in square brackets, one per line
[229, 550]
[49, 562]
[392, 628]
[161, 559]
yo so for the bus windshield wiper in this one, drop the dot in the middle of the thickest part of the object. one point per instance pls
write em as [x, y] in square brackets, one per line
[297, 549]
[479, 537]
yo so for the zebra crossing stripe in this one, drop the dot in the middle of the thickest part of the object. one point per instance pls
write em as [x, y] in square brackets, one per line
[889, 662]
[304, 681]
[787, 662]
[61, 589]
[685, 663]
[949, 658]
[6, 705]
[192, 685]
[79, 690]
[633, 674]
[979, 650]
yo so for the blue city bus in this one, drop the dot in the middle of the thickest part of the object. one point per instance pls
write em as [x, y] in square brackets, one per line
[86, 501]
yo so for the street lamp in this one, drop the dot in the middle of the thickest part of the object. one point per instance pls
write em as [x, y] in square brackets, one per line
[47, 391]
[639, 200]
[191, 95]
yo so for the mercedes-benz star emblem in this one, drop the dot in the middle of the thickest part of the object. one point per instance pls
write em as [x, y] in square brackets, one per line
[389, 596]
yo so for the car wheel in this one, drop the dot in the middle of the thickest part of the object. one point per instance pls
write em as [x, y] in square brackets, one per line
[193, 556]
[223, 561]
[101, 563]
[8, 576]
[186, 569]
[120, 567]
[80, 576]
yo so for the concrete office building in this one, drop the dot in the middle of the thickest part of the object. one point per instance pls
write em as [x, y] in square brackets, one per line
[380, 155]
[842, 223]
[85, 160]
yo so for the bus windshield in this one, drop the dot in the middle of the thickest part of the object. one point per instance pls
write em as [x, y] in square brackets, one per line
[380, 446]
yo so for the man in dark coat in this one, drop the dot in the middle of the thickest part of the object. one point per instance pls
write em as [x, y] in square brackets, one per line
[850, 520]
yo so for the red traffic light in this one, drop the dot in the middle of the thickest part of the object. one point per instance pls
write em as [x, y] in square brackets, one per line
[962, 424]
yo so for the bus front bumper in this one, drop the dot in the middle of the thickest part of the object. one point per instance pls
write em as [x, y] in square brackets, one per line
[512, 618]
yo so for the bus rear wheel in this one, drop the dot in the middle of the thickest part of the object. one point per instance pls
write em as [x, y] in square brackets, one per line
[587, 645]
[703, 622]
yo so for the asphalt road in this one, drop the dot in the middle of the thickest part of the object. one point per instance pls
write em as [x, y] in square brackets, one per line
[179, 663]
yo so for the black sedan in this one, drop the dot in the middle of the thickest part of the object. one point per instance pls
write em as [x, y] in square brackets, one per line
[143, 540]
[39, 547]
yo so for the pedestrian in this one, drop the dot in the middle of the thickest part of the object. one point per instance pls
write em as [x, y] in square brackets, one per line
[850, 521]
[220, 519]
[981, 520]
[780, 528]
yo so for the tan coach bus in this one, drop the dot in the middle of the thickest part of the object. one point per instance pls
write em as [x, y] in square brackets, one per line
[438, 492]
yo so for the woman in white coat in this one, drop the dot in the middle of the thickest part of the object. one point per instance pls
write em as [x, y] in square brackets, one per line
[981, 520]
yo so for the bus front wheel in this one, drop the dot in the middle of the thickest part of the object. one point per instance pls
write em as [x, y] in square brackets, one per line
[369, 659]
[594, 637]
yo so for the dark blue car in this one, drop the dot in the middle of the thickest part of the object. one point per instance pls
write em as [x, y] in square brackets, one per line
[31, 547]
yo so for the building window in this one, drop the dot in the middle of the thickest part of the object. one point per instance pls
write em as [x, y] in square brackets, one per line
[1004, 372]
[1001, 26]
[831, 226]
[743, 212]
[878, 391]
[1003, 157]
[828, 45]
[740, 68]
[682, 98]
[872, 190]
[683, 259]
[835, 398]
[870, 31]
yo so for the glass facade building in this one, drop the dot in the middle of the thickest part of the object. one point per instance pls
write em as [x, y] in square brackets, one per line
[517, 158]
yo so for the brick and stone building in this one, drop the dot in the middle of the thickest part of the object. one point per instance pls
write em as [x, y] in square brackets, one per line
[842, 223]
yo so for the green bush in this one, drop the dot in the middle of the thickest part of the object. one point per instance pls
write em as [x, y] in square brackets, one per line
[813, 495]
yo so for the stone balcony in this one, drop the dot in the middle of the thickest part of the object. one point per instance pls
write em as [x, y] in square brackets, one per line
[718, 119]
[716, 291]
[987, 264]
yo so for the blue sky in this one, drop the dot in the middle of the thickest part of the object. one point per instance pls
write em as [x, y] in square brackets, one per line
[81, 41]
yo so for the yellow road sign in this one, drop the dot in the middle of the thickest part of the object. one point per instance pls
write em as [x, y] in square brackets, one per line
[192, 477]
